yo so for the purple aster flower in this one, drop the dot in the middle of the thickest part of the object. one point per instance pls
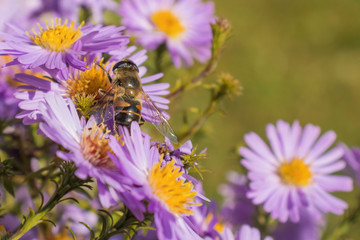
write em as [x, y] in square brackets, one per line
[206, 221]
[237, 209]
[308, 228]
[141, 164]
[87, 82]
[86, 143]
[177, 154]
[17, 11]
[8, 103]
[352, 158]
[70, 216]
[70, 9]
[185, 158]
[295, 174]
[97, 8]
[59, 44]
[245, 233]
[184, 26]
[11, 223]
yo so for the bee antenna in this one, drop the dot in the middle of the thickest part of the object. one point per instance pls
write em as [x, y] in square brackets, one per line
[107, 73]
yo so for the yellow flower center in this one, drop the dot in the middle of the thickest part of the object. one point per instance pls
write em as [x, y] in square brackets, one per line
[88, 82]
[168, 23]
[95, 147]
[219, 226]
[174, 192]
[57, 37]
[295, 172]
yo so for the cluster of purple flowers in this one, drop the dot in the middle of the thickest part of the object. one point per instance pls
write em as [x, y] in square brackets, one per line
[62, 60]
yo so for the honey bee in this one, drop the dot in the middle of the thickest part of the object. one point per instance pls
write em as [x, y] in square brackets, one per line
[122, 102]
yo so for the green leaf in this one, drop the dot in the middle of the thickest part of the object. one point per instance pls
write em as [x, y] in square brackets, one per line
[8, 185]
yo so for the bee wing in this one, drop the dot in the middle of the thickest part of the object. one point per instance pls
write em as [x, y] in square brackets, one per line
[103, 111]
[158, 119]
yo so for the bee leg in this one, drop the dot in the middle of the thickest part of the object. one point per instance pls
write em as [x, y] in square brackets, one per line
[142, 121]
[101, 92]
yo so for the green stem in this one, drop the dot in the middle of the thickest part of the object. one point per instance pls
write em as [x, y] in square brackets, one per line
[29, 224]
[341, 229]
[35, 219]
[158, 58]
[221, 31]
[68, 183]
[262, 221]
[127, 224]
[210, 67]
[200, 122]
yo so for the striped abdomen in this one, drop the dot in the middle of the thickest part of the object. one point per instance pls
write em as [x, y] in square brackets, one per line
[126, 111]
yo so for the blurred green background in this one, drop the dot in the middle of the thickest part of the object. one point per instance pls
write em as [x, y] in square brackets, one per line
[297, 60]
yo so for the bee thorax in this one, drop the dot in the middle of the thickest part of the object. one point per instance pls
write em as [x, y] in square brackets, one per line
[131, 92]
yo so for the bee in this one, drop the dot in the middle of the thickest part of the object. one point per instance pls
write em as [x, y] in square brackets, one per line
[122, 102]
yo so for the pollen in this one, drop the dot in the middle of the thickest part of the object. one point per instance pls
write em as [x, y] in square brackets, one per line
[88, 82]
[295, 173]
[176, 193]
[95, 147]
[57, 37]
[168, 23]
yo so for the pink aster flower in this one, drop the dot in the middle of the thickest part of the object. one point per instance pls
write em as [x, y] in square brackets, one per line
[58, 44]
[141, 164]
[184, 26]
[86, 143]
[295, 174]
[69, 87]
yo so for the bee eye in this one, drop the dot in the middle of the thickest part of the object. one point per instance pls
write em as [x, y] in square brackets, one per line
[121, 64]
[126, 64]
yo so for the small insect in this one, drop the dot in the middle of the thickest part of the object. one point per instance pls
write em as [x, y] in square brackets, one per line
[122, 102]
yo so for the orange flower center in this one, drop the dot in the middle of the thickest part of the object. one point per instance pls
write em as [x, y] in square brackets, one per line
[95, 147]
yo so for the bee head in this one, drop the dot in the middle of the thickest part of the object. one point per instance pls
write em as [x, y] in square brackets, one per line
[125, 64]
